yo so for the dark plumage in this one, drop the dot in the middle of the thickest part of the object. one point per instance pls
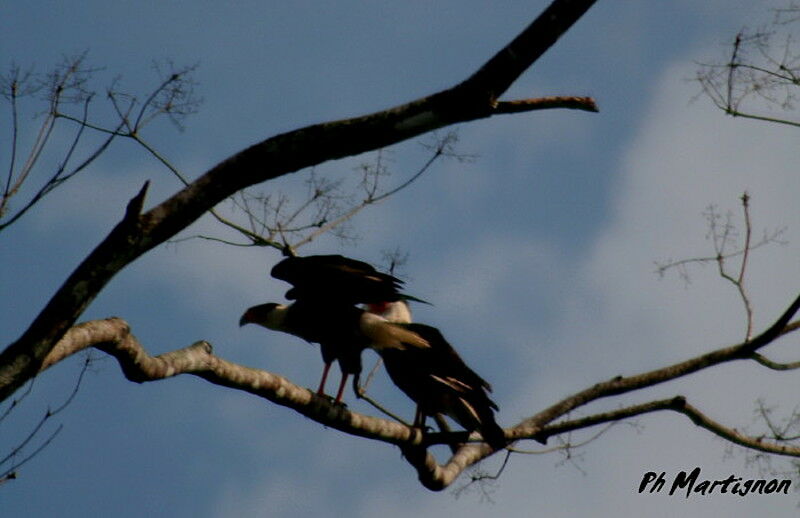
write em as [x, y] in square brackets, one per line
[335, 329]
[326, 290]
[336, 277]
[439, 381]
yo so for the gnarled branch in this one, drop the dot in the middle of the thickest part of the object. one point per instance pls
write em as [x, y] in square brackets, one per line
[113, 336]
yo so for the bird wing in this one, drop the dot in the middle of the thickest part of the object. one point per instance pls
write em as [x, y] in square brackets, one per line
[447, 360]
[336, 277]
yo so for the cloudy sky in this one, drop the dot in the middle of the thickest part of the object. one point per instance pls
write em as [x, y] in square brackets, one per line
[538, 255]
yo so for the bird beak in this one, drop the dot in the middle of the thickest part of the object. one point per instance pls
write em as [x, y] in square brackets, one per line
[244, 320]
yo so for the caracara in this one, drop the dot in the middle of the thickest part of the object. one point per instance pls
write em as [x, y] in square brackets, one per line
[438, 380]
[326, 290]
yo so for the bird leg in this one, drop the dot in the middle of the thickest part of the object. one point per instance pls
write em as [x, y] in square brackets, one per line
[419, 419]
[445, 428]
[341, 388]
[321, 389]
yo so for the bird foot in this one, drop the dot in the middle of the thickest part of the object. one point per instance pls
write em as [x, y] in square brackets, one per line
[330, 399]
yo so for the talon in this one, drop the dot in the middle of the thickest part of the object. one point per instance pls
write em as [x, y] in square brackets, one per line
[321, 395]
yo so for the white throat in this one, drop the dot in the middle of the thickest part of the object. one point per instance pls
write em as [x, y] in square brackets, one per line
[397, 313]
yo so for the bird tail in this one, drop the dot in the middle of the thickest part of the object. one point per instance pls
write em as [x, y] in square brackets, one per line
[493, 434]
[481, 417]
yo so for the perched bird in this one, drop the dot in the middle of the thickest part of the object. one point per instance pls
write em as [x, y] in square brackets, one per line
[438, 380]
[326, 290]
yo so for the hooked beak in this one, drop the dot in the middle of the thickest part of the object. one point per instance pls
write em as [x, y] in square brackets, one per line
[245, 319]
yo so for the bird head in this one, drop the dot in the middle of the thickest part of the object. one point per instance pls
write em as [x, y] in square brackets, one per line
[269, 315]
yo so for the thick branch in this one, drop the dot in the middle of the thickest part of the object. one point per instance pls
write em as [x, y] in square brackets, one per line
[473, 99]
[680, 405]
[113, 336]
[546, 103]
[437, 477]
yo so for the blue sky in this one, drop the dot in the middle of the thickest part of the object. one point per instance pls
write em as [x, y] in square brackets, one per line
[538, 255]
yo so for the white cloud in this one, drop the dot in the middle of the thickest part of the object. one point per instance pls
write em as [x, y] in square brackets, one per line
[684, 157]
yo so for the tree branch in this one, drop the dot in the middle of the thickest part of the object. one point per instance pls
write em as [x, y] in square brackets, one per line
[113, 337]
[680, 405]
[475, 98]
[730, 434]
[546, 103]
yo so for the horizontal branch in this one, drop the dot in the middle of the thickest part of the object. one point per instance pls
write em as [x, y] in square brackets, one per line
[675, 404]
[113, 337]
[547, 103]
[605, 417]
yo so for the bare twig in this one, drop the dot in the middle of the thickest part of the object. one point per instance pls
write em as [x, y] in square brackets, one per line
[372, 194]
[68, 84]
[786, 432]
[483, 480]
[723, 237]
[15, 452]
[569, 444]
[766, 362]
[757, 73]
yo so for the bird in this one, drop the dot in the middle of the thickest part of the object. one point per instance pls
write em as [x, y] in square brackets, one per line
[437, 379]
[326, 290]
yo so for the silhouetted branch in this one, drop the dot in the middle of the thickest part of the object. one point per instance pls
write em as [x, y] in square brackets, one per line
[13, 456]
[546, 103]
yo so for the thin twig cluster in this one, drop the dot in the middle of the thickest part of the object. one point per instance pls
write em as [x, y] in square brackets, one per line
[761, 71]
[69, 97]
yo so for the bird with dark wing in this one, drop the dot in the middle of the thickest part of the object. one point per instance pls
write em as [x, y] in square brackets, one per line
[438, 380]
[326, 290]
[336, 277]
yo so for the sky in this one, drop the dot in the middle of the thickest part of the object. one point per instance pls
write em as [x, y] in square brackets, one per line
[538, 256]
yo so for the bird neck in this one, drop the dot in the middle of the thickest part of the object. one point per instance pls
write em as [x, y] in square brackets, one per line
[396, 312]
[276, 319]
